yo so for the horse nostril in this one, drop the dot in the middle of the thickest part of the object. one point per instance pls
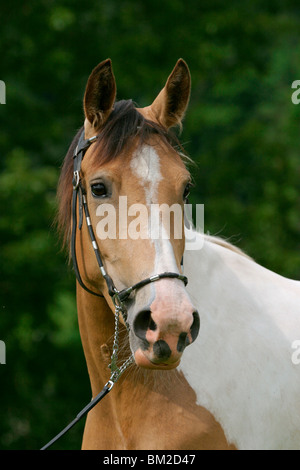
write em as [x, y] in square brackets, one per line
[162, 350]
[152, 324]
[142, 323]
[183, 341]
[195, 326]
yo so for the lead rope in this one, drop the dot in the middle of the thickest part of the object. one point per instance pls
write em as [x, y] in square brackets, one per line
[116, 373]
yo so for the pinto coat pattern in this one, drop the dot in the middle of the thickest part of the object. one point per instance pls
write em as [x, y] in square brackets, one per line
[233, 385]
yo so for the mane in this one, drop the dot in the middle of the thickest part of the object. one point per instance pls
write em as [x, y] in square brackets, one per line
[124, 124]
[225, 244]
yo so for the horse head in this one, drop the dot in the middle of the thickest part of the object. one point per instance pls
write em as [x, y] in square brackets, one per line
[135, 184]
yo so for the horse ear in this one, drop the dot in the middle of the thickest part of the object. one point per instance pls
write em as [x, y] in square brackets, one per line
[100, 94]
[171, 103]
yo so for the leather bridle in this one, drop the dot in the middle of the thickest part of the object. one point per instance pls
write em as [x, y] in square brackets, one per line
[118, 296]
[79, 193]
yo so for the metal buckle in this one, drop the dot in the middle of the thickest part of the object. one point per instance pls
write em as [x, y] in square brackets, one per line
[116, 299]
[109, 385]
[76, 179]
[92, 139]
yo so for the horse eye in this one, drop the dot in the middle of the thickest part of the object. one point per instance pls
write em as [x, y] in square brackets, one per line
[99, 190]
[186, 191]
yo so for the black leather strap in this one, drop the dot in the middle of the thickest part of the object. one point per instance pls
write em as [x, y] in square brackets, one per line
[80, 150]
[106, 389]
[73, 243]
[124, 294]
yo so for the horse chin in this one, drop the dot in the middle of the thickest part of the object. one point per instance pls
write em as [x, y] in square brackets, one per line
[145, 362]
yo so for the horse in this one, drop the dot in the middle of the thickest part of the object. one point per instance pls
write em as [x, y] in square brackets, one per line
[206, 344]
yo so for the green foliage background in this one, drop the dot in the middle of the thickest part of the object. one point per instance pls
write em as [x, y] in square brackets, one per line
[242, 129]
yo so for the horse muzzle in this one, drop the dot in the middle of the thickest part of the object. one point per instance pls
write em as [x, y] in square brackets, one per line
[162, 338]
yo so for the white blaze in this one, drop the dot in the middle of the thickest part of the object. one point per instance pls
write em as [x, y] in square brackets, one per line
[145, 165]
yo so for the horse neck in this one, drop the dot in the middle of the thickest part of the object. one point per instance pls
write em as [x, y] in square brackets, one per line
[96, 325]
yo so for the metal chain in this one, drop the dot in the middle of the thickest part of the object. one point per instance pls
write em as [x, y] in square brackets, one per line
[114, 356]
[118, 371]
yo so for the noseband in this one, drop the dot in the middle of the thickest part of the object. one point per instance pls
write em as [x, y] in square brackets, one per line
[118, 296]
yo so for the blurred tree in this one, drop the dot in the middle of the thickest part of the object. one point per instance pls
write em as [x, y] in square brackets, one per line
[241, 129]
